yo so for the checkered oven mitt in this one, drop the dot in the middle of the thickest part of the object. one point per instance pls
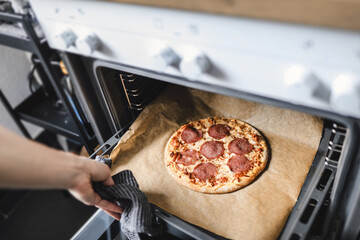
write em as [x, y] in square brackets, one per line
[136, 217]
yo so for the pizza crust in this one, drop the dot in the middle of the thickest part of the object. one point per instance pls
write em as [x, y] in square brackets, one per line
[238, 129]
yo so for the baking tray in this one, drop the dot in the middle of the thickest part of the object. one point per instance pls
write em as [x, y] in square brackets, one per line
[315, 189]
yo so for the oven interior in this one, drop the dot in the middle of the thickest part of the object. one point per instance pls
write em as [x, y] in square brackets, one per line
[126, 92]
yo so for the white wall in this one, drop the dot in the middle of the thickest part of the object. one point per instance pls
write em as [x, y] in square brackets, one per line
[14, 68]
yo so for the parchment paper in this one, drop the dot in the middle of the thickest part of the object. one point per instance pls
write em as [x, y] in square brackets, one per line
[258, 211]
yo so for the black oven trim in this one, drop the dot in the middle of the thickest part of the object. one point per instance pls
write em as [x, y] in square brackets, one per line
[350, 150]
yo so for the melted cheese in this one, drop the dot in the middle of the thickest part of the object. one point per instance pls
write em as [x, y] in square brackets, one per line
[238, 129]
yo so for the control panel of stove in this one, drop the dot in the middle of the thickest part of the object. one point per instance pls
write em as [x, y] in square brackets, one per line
[65, 39]
[164, 56]
[310, 66]
[194, 64]
[345, 94]
[303, 82]
[88, 43]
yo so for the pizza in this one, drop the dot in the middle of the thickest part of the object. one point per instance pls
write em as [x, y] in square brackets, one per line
[216, 155]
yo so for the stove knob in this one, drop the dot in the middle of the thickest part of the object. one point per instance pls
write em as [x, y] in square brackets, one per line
[303, 83]
[65, 39]
[195, 64]
[88, 44]
[166, 56]
[345, 93]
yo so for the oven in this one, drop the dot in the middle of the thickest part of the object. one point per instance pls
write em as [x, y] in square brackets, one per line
[122, 57]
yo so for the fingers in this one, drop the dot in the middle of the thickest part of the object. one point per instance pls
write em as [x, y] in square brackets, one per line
[104, 204]
[83, 191]
[110, 208]
[99, 171]
[109, 181]
[115, 215]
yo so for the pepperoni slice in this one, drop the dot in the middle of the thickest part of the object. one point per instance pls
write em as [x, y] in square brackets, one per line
[239, 163]
[212, 149]
[189, 157]
[219, 131]
[205, 171]
[240, 146]
[191, 135]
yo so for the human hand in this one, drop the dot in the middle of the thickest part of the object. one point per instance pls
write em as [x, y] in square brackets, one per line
[81, 187]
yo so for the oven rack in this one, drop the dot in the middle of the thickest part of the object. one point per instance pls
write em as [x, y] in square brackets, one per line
[109, 145]
[134, 87]
[140, 105]
[139, 90]
[313, 198]
[310, 210]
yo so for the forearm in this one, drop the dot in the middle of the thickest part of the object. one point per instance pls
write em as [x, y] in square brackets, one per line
[27, 164]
